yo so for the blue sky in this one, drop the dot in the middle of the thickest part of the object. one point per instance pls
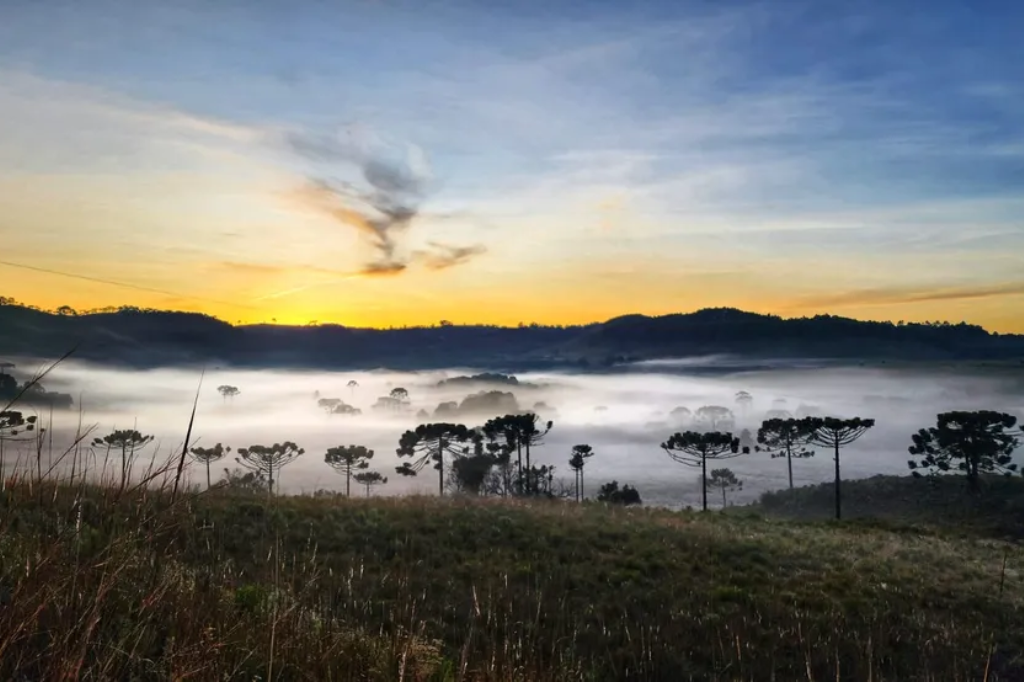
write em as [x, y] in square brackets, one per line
[746, 144]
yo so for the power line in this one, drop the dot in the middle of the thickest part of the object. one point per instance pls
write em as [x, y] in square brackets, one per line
[124, 285]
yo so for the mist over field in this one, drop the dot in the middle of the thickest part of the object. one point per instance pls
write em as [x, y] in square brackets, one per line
[625, 416]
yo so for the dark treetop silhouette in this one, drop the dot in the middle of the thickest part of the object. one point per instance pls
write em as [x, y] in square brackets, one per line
[785, 438]
[208, 456]
[836, 433]
[431, 442]
[267, 460]
[695, 449]
[348, 460]
[975, 442]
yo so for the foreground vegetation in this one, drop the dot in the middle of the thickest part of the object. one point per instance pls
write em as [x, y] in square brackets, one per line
[96, 583]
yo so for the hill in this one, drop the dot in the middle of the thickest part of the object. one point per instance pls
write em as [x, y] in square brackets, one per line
[225, 585]
[146, 338]
[943, 503]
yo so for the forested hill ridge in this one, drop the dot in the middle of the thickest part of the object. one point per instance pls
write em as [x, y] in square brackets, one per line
[146, 338]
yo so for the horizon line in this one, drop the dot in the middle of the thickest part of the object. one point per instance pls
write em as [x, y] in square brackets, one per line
[109, 310]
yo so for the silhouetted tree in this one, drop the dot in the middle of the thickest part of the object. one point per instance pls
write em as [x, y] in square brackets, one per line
[400, 396]
[128, 441]
[328, 404]
[268, 460]
[531, 432]
[578, 460]
[777, 414]
[386, 402]
[785, 438]
[724, 480]
[447, 410]
[974, 442]
[370, 479]
[13, 426]
[681, 416]
[744, 400]
[207, 456]
[348, 460]
[5, 366]
[344, 408]
[431, 442]
[610, 493]
[715, 418]
[489, 402]
[695, 449]
[469, 474]
[834, 432]
[228, 391]
[352, 386]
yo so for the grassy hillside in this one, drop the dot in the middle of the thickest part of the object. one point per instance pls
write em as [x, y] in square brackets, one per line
[229, 586]
[942, 503]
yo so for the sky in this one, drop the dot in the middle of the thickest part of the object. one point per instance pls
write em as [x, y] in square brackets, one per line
[400, 162]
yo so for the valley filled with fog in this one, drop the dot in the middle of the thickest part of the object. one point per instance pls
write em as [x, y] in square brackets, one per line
[625, 416]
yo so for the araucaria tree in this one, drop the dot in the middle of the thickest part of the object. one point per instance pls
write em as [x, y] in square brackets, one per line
[348, 460]
[725, 480]
[785, 438]
[228, 391]
[835, 433]
[268, 460]
[400, 396]
[973, 442]
[128, 441]
[352, 386]
[744, 400]
[430, 443]
[208, 456]
[695, 449]
[578, 460]
[530, 432]
[370, 479]
[715, 418]
[520, 432]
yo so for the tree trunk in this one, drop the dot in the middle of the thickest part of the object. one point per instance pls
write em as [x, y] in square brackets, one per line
[789, 463]
[207, 474]
[839, 495]
[529, 471]
[583, 491]
[348, 482]
[704, 481]
[440, 474]
[519, 457]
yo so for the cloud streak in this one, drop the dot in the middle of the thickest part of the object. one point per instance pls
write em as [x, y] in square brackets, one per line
[905, 295]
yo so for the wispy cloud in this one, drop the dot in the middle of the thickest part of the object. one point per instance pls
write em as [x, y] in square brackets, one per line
[904, 295]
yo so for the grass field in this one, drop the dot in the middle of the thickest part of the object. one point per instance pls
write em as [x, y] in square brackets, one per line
[95, 584]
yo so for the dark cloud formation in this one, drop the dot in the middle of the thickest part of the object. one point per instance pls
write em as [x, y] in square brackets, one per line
[396, 186]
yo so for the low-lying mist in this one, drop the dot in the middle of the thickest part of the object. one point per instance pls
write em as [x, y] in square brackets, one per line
[624, 416]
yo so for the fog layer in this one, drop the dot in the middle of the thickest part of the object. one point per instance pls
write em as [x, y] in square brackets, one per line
[624, 416]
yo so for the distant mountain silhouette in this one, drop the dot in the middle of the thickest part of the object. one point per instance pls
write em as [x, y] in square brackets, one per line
[148, 338]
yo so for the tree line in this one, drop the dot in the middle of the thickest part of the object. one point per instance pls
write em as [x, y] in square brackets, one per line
[497, 457]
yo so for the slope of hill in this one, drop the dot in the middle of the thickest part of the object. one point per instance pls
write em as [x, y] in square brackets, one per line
[150, 338]
[238, 586]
